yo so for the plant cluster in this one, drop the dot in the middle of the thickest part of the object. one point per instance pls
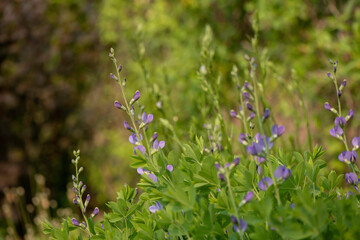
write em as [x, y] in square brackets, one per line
[207, 191]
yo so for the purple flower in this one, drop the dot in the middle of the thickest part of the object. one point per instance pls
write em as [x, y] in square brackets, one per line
[246, 96]
[169, 167]
[141, 171]
[329, 75]
[75, 200]
[249, 196]
[118, 105]
[153, 177]
[282, 172]
[127, 126]
[351, 178]
[251, 116]
[133, 139]
[348, 157]
[113, 76]
[355, 142]
[136, 96]
[217, 166]
[75, 222]
[95, 212]
[141, 148]
[340, 121]
[248, 106]
[350, 115]
[336, 132]
[265, 183]
[155, 208]
[236, 161]
[246, 84]
[277, 131]
[261, 160]
[156, 145]
[147, 118]
[259, 146]
[243, 138]
[266, 114]
[221, 177]
[292, 206]
[327, 106]
[233, 113]
[236, 224]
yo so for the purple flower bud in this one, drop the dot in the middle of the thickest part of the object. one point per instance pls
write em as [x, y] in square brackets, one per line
[292, 206]
[169, 167]
[102, 226]
[227, 165]
[234, 220]
[75, 222]
[119, 68]
[251, 116]
[329, 75]
[233, 113]
[95, 212]
[351, 178]
[75, 201]
[355, 142]
[217, 166]
[249, 196]
[126, 125]
[350, 115]
[246, 84]
[153, 177]
[136, 96]
[248, 106]
[343, 84]
[246, 96]
[154, 136]
[265, 183]
[236, 161]
[113, 76]
[118, 105]
[221, 177]
[261, 160]
[266, 114]
[242, 138]
[282, 172]
[73, 178]
[327, 106]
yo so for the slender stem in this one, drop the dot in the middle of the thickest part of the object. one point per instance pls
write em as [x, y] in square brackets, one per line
[227, 175]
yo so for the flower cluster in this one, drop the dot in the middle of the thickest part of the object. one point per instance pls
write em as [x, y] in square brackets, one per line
[228, 166]
[281, 173]
[347, 156]
[214, 137]
[79, 190]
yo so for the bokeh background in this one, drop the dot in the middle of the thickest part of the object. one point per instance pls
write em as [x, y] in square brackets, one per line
[56, 94]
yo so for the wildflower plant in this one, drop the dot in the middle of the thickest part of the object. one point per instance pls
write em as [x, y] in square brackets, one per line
[218, 188]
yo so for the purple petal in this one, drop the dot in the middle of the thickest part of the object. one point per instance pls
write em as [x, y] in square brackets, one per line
[243, 225]
[327, 106]
[153, 177]
[144, 117]
[136, 96]
[153, 209]
[162, 144]
[156, 144]
[170, 168]
[150, 117]
[117, 104]
[75, 222]
[249, 196]
[140, 170]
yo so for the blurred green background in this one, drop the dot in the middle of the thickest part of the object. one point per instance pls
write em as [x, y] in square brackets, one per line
[56, 94]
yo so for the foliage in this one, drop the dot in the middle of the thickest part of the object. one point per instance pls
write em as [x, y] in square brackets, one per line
[204, 190]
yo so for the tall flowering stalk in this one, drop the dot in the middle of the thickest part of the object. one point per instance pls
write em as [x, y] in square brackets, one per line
[79, 190]
[348, 156]
[142, 143]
